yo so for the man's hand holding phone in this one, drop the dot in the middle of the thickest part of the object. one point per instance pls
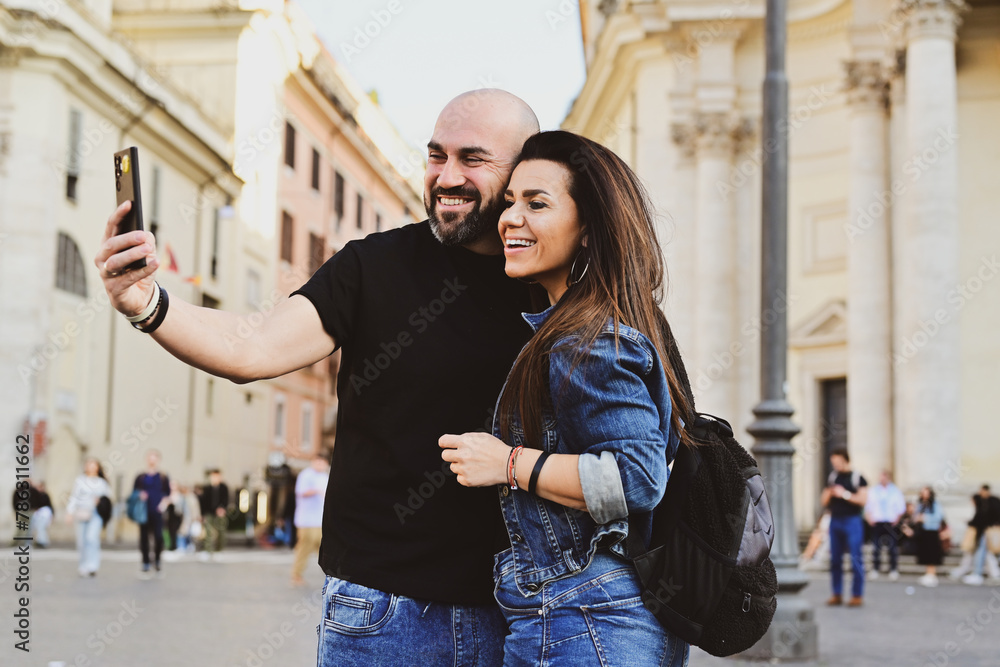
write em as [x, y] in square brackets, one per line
[129, 291]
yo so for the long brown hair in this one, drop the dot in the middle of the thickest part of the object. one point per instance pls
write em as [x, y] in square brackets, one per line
[623, 281]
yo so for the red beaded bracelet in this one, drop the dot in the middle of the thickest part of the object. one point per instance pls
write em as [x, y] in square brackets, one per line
[511, 461]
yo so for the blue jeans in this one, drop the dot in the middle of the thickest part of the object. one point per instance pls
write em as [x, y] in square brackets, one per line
[594, 617]
[365, 627]
[847, 532]
[981, 553]
[884, 535]
[88, 543]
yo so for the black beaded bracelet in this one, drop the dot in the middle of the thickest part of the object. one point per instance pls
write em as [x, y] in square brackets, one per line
[537, 469]
[159, 314]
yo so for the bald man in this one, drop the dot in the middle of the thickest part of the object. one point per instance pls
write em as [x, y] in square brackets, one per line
[429, 325]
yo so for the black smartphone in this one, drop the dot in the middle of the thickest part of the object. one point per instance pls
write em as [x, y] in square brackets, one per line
[127, 189]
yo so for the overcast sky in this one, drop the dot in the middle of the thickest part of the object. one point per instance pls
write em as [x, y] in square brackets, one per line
[424, 52]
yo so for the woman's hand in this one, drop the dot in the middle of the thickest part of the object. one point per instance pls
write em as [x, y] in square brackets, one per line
[478, 459]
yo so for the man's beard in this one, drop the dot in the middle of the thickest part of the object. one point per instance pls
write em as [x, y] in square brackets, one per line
[452, 230]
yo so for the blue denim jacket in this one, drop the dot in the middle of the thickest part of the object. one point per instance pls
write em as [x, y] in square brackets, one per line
[614, 411]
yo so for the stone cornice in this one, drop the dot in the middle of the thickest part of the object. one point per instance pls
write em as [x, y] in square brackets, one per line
[867, 83]
[931, 18]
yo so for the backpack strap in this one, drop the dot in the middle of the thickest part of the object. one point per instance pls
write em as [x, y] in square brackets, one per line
[677, 364]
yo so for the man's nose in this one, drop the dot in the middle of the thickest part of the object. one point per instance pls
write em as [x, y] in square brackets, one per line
[451, 175]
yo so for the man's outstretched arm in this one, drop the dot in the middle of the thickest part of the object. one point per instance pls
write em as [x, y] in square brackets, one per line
[224, 344]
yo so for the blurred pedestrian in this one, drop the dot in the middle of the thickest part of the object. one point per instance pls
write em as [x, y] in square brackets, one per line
[190, 528]
[154, 488]
[214, 503]
[987, 515]
[885, 507]
[43, 515]
[310, 492]
[88, 489]
[927, 523]
[172, 516]
[818, 547]
[846, 494]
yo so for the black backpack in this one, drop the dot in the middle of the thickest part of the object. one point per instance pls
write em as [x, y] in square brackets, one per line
[707, 576]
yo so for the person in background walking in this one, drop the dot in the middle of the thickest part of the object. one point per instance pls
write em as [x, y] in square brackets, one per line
[154, 488]
[885, 507]
[190, 528]
[82, 510]
[846, 494]
[42, 518]
[987, 515]
[310, 491]
[214, 503]
[927, 522]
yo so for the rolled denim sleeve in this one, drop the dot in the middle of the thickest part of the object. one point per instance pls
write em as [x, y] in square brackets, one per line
[604, 409]
[602, 487]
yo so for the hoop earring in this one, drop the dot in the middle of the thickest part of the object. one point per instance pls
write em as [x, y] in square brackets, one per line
[569, 281]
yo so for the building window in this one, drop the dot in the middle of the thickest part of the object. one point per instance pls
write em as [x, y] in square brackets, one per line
[361, 212]
[286, 236]
[307, 427]
[338, 196]
[378, 222]
[253, 288]
[289, 145]
[73, 162]
[210, 397]
[209, 301]
[279, 419]
[317, 252]
[70, 275]
[315, 170]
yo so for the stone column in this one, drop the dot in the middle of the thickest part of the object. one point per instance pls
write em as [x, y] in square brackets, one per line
[715, 375]
[927, 344]
[869, 324]
[680, 247]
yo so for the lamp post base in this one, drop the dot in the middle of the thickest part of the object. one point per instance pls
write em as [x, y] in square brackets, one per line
[793, 635]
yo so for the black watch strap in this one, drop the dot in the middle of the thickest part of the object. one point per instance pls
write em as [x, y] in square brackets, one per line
[533, 480]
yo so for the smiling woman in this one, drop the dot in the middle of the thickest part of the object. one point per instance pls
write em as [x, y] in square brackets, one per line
[540, 229]
[590, 415]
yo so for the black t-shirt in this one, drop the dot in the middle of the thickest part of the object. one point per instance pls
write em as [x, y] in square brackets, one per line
[429, 334]
[840, 507]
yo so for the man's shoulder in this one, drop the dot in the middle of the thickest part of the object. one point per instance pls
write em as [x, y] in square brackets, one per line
[401, 238]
